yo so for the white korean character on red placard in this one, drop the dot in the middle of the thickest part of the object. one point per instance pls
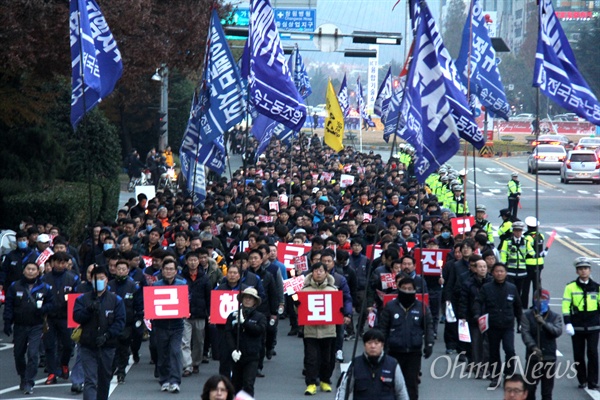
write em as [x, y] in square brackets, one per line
[430, 261]
[319, 307]
[288, 252]
[163, 307]
[273, 205]
[462, 225]
[227, 304]
[162, 302]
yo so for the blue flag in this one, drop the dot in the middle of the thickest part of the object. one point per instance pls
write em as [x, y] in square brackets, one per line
[434, 107]
[262, 130]
[360, 102]
[221, 86]
[299, 74]
[343, 97]
[485, 77]
[195, 177]
[556, 72]
[272, 90]
[393, 121]
[383, 96]
[212, 155]
[95, 58]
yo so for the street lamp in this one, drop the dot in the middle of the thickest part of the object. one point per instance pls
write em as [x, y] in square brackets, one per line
[162, 75]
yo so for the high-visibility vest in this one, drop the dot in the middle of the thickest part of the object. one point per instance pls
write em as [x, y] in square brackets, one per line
[534, 246]
[486, 226]
[514, 257]
[581, 309]
[514, 187]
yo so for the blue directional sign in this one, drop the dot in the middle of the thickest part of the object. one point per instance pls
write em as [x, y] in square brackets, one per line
[241, 17]
[296, 19]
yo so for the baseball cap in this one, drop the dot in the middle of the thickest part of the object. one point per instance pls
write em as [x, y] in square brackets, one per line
[43, 238]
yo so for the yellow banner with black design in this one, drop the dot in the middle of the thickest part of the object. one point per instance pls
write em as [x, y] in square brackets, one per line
[334, 123]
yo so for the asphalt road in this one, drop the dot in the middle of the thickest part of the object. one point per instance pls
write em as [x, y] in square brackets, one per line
[572, 210]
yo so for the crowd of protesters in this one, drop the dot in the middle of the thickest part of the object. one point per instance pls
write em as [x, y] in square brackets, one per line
[340, 204]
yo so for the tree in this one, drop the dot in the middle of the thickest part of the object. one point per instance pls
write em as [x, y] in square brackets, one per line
[453, 26]
[587, 53]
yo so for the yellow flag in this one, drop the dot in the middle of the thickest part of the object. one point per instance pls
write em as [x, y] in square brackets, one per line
[334, 123]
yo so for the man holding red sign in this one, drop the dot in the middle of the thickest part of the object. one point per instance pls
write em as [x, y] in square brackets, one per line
[168, 332]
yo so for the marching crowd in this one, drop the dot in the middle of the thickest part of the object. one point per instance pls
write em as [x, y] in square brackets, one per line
[341, 204]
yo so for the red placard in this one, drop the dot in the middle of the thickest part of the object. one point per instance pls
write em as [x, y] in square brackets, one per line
[147, 261]
[374, 248]
[462, 225]
[266, 218]
[430, 261]
[222, 303]
[301, 263]
[44, 256]
[287, 252]
[388, 281]
[293, 285]
[70, 307]
[320, 308]
[166, 302]
[274, 205]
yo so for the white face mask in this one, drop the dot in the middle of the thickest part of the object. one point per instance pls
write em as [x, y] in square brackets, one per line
[324, 236]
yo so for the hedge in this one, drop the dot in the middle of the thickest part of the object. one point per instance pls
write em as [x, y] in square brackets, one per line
[64, 204]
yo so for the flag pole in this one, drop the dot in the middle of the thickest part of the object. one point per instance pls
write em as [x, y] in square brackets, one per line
[88, 139]
[469, 103]
[537, 195]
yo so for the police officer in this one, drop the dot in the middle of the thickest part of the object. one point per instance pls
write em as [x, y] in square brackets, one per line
[133, 300]
[62, 282]
[28, 300]
[534, 257]
[407, 326]
[512, 253]
[514, 194]
[582, 321]
[485, 225]
[505, 228]
[101, 314]
[458, 204]
[374, 375]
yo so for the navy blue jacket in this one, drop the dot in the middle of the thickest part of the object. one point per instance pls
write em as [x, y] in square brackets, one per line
[20, 307]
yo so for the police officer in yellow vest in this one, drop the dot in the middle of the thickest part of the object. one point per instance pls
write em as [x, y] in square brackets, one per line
[458, 204]
[485, 225]
[534, 257]
[505, 229]
[512, 253]
[580, 307]
[514, 194]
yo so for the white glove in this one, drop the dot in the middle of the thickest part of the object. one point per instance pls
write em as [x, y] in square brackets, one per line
[569, 329]
[544, 253]
[236, 355]
[241, 317]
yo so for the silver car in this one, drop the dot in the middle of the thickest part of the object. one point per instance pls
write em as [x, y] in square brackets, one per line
[581, 165]
[548, 157]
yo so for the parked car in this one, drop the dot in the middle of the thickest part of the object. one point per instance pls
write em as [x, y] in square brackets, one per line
[566, 117]
[589, 143]
[558, 140]
[523, 116]
[581, 165]
[548, 157]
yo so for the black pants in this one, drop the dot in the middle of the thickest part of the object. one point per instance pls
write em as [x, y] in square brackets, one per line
[580, 341]
[435, 305]
[506, 337]
[410, 364]
[122, 352]
[519, 282]
[530, 280]
[318, 360]
[97, 369]
[244, 375]
[451, 335]
[27, 351]
[136, 339]
[513, 206]
[224, 351]
[291, 312]
[543, 374]
[57, 333]
[271, 335]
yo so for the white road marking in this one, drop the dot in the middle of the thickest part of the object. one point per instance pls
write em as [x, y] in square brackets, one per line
[587, 235]
[594, 394]
[563, 230]
[6, 346]
[592, 230]
[495, 190]
[583, 192]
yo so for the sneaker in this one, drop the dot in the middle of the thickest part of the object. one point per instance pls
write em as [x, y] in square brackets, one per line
[187, 373]
[269, 354]
[582, 385]
[165, 387]
[51, 380]
[77, 388]
[195, 369]
[173, 388]
[205, 360]
[325, 387]
[28, 390]
[65, 372]
[120, 379]
[293, 332]
[339, 356]
[259, 374]
[311, 390]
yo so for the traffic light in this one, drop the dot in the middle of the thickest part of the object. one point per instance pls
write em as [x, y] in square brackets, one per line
[163, 123]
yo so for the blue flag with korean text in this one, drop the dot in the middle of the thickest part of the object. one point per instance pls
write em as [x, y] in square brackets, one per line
[95, 58]
[362, 107]
[195, 177]
[343, 97]
[262, 130]
[434, 106]
[213, 154]
[485, 77]
[393, 121]
[383, 96]
[556, 72]
[272, 90]
[221, 83]
[299, 74]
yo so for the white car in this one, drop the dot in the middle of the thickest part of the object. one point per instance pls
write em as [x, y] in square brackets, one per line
[580, 165]
[548, 157]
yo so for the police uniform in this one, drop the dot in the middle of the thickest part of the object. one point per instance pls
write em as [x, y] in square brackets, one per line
[485, 225]
[580, 308]
[534, 257]
[513, 193]
[21, 310]
[512, 253]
